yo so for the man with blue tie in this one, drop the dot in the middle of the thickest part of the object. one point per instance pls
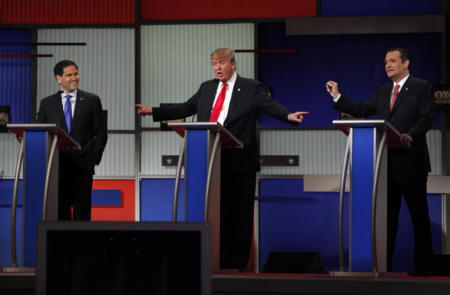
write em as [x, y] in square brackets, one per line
[408, 104]
[80, 114]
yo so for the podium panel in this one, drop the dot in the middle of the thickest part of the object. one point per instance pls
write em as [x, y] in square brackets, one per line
[366, 144]
[196, 170]
[361, 199]
[35, 158]
[202, 149]
[39, 145]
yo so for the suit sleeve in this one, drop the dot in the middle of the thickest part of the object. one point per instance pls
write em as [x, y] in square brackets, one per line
[356, 108]
[100, 130]
[178, 110]
[270, 106]
[426, 113]
[41, 118]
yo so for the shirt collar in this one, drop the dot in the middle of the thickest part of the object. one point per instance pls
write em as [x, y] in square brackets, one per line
[402, 82]
[231, 81]
[73, 94]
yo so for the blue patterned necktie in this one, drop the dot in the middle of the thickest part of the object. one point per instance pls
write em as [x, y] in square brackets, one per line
[68, 112]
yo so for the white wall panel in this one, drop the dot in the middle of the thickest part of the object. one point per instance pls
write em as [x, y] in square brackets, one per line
[119, 156]
[434, 141]
[321, 152]
[155, 144]
[176, 58]
[9, 147]
[106, 66]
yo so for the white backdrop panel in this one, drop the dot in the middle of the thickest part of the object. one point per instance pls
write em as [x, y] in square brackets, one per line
[175, 59]
[155, 144]
[9, 147]
[119, 157]
[106, 66]
[322, 152]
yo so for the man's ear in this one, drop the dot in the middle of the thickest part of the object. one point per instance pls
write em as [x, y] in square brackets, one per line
[406, 63]
[58, 78]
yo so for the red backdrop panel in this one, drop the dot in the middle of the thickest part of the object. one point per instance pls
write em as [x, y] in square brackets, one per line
[124, 213]
[67, 12]
[219, 9]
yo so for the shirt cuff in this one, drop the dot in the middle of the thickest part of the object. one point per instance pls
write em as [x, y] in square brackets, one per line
[337, 98]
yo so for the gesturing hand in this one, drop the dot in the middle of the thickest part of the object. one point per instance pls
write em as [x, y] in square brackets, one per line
[297, 116]
[143, 110]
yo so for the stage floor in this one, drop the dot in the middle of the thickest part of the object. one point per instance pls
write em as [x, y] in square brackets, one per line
[325, 284]
[251, 283]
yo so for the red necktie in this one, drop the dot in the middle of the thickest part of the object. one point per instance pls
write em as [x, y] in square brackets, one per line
[219, 104]
[394, 95]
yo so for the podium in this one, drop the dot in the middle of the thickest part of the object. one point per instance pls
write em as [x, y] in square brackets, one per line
[201, 150]
[365, 150]
[38, 150]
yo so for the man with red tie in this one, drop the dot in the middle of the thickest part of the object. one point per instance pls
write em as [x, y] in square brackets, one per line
[236, 103]
[408, 104]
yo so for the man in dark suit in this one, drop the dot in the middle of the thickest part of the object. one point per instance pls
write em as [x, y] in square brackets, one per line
[407, 103]
[235, 102]
[80, 114]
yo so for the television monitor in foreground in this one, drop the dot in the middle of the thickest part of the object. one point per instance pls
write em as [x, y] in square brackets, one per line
[123, 258]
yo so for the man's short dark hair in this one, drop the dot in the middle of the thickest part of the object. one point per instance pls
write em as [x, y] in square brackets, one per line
[404, 54]
[59, 67]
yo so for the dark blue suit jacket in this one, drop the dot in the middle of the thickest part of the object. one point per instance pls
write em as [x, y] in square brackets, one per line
[412, 113]
[88, 127]
[248, 100]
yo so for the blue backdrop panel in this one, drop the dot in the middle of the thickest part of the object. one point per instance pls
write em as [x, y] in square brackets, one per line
[107, 197]
[356, 62]
[295, 221]
[6, 191]
[404, 249]
[157, 199]
[15, 75]
[292, 220]
[379, 7]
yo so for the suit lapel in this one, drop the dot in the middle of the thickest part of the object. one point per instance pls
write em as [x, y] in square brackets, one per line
[402, 94]
[234, 101]
[59, 111]
[211, 94]
[79, 104]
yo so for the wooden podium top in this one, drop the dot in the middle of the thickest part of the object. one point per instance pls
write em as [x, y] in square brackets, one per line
[393, 135]
[65, 142]
[227, 139]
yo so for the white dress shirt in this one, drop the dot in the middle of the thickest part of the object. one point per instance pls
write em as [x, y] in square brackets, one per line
[226, 104]
[72, 99]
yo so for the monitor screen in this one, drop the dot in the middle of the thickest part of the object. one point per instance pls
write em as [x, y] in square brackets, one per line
[123, 258]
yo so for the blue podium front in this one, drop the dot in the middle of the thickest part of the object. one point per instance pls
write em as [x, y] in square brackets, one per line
[202, 149]
[39, 144]
[366, 144]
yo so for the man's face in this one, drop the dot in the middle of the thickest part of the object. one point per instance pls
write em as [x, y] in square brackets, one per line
[395, 68]
[223, 68]
[69, 79]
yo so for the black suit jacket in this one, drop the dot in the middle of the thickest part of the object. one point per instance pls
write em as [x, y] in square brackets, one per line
[412, 113]
[248, 100]
[88, 127]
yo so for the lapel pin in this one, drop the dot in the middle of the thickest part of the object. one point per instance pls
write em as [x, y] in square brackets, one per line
[81, 98]
[239, 89]
[406, 88]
